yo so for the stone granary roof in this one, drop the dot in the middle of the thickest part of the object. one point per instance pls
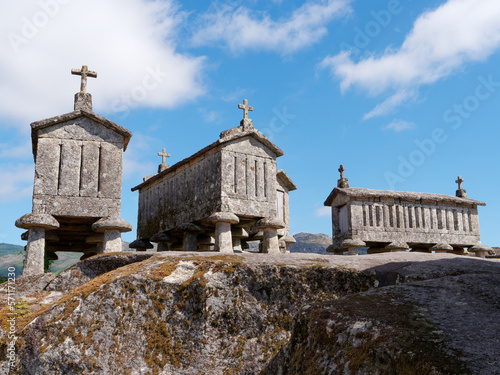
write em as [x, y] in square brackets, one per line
[404, 195]
[286, 180]
[38, 125]
[227, 136]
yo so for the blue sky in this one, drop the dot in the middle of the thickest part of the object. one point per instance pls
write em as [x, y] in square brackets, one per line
[403, 93]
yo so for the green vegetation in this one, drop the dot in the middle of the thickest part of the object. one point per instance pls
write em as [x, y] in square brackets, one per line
[13, 256]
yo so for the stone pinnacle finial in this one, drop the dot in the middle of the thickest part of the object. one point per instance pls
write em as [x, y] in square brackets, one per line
[461, 193]
[164, 157]
[342, 182]
[246, 122]
[83, 100]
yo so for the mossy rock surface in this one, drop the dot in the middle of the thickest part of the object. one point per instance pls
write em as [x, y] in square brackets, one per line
[207, 313]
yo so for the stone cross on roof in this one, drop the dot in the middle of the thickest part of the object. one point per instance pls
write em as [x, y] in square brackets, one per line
[245, 107]
[342, 182]
[341, 170]
[461, 192]
[84, 72]
[164, 157]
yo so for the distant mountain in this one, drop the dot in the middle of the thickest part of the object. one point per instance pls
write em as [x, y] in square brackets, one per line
[314, 243]
[310, 243]
[13, 256]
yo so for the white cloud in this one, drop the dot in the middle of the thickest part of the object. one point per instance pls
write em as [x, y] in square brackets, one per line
[210, 116]
[400, 125]
[136, 160]
[390, 103]
[440, 43]
[130, 43]
[323, 211]
[17, 181]
[241, 29]
[22, 151]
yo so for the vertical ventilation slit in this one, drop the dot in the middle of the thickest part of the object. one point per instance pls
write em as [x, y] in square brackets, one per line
[99, 171]
[60, 168]
[246, 178]
[235, 175]
[265, 180]
[364, 215]
[81, 170]
[440, 218]
[256, 180]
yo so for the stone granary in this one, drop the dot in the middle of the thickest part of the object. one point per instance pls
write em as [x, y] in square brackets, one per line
[387, 221]
[224, 195]
[77, 188]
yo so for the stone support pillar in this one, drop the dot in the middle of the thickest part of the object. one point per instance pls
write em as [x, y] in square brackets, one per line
[223, 238]
[112, 228]
[205, 242]
[163, 240]
[270, 243]
[238, 234]
[441, 248]
[397, 246]
[96, 239]
[35, 249]
[112, 241]
[288, 241]
[141, 244]
[352, 246]
[480, 250]
[270, 226]
[189, 242]
[35, 252]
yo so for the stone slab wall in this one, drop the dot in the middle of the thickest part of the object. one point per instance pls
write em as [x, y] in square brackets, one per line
[407, 221]
[78, 170]
[285, 207]
[192, 193]
[248, 178]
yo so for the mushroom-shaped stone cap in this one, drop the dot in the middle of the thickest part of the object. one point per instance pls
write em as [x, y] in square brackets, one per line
[289, 239]
[258, 236]
[141, 244]
[95, 238]
[480, 248]
[163, 237]
[397, 246]
[45, 221]
[111, 223]
[268, 222]
[355, 242]
[189, 227]
[227, 217]
[206, 239]
[239, 233]
[441, 246]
